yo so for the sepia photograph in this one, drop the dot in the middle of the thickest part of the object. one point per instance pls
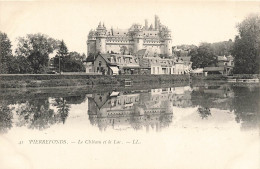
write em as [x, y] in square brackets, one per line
[120, 84]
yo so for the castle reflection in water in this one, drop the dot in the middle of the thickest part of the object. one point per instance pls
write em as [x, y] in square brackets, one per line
[150, 108]
[153, 109]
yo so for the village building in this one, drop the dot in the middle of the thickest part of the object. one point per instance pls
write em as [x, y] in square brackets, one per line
[224, 66]
[114, 64]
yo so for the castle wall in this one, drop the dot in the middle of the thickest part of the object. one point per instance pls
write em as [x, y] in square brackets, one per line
[154, 48]
[151, 47]
[138, 44]
[116, 48]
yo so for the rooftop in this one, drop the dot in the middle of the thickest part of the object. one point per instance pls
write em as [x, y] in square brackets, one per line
[212, 69]
[225, 58]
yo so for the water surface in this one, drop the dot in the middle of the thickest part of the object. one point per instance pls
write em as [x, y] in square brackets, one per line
[167, 126]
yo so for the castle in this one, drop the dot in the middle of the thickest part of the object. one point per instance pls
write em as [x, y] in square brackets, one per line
[155, 39]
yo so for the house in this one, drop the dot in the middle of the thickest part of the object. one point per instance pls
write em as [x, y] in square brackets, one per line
[89, 63]
[105, 64]
[225, 66]
[161, 65]
[183, 65]
[114, 64]
[158, 65]
[198, 71]
[213, 70]
[143, 62]
[127, 64]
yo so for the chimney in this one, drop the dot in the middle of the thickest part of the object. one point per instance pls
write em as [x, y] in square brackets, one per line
[156, 22]
[146, 24]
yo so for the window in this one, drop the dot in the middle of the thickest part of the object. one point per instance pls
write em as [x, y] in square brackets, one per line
[99, 63]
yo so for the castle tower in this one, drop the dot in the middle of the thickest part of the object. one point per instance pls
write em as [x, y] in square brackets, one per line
[91, 43]
[168, 43]
[138, 38]
[101, 38]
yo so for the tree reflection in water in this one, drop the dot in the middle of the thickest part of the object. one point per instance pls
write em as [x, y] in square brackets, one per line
[246, 106]
[36, 114]
[6, 117]
[63, 109]
[204, 112]
[242, 100]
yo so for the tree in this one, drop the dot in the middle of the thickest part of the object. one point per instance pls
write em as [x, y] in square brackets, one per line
[222, 48]
[77, 56]
[61, 56]
[203, 56]
[69, 61]
[246, 50]
[20, 64]
[73, 65]
[36, 49]
[5, 53]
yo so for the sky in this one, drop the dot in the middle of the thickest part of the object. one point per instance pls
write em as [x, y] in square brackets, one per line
[191, 22]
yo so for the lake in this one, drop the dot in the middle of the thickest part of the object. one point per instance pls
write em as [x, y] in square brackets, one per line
[208, 125]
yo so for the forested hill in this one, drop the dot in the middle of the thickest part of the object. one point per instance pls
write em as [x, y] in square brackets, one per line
[218, 48]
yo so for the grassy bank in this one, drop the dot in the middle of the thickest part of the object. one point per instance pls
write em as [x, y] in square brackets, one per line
[25, 81]
[209, 77]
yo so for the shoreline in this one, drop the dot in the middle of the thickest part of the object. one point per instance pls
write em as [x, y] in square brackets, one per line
[32, 81]
[25, 81]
